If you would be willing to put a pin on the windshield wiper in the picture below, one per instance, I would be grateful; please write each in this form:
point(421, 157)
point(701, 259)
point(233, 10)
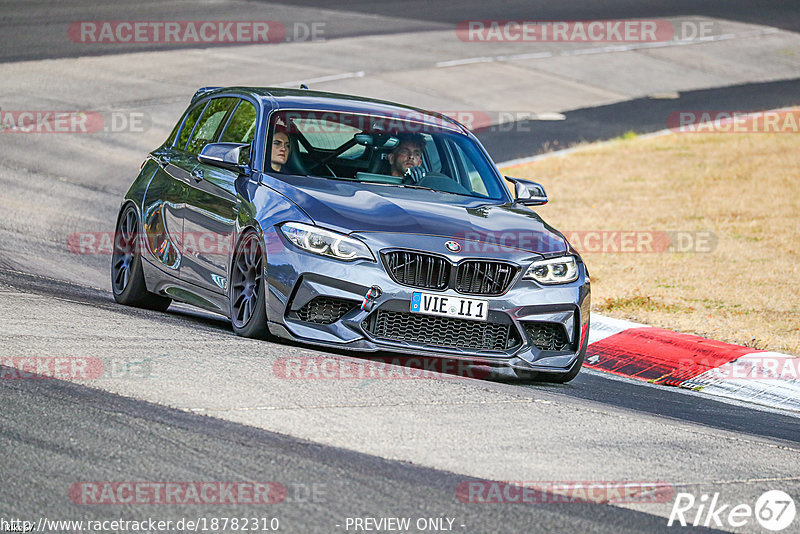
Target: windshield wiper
point(410, 186)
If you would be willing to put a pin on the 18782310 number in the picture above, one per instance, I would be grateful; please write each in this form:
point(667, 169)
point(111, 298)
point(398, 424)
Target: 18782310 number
point(238, 524)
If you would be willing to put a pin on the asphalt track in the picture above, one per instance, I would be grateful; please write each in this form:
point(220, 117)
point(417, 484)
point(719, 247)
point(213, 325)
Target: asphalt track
point(379, 450)
point(100, 436)
point(33, 30)
point(640, 115)
point(591, 386)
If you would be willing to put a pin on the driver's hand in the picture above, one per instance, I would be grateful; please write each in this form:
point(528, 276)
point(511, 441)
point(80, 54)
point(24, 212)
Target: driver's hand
point(415, 174)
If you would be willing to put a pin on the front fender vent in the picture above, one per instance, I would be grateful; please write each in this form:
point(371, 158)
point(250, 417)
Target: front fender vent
point(547, 336)
point(325, 310)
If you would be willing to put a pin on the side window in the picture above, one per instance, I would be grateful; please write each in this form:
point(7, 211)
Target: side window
point(188, 126)
point(475, 182)
point(241, 127)
point(171, 139)
point(209, 123)
point(432, 154)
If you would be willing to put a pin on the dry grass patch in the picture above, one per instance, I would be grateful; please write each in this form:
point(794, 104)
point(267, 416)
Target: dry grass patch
point(744, 188)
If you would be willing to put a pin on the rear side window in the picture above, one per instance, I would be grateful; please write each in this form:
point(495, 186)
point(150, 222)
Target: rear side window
point(323, 134)
point(241, 127)
point(171, 139)
point(188, 126)
point(207, 126)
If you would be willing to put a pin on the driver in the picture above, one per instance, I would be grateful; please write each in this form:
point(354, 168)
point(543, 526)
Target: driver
point(406, 159)
point(280, 149)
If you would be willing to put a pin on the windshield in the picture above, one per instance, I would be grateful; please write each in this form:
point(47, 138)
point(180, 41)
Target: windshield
point(392, 151)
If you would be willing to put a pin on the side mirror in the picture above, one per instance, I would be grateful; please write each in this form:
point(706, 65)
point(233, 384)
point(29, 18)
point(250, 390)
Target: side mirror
point(228, 156)
point(528, 193)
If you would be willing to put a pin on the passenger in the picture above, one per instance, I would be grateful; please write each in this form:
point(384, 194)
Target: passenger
point(280, 149)
point(406, 159)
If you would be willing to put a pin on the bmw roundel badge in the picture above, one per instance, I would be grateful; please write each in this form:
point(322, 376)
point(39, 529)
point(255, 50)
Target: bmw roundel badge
point(452, 246)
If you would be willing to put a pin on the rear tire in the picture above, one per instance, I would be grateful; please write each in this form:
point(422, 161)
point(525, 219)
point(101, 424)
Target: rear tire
point(247, 291)
point(127, 276)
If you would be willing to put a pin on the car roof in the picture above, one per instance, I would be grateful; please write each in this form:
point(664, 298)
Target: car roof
point(305, 99)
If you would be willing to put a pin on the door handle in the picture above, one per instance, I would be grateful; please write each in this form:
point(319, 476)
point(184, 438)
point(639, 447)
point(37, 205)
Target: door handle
point(197, 174)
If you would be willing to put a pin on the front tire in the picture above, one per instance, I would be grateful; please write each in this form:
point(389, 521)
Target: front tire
point(127, 276)
point(247, 293)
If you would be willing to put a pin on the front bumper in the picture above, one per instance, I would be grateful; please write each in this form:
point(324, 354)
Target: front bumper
point(296, 279)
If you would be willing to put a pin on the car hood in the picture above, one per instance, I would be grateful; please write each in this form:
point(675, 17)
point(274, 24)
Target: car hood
point(350, 207)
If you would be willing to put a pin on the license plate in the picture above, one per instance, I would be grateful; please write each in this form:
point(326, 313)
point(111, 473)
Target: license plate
point(449, 306)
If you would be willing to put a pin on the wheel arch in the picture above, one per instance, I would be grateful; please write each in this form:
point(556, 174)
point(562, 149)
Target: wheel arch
point(250, 226)
point(124, 204)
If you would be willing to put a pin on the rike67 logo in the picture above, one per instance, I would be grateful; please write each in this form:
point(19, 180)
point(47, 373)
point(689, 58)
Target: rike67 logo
point(774, 510)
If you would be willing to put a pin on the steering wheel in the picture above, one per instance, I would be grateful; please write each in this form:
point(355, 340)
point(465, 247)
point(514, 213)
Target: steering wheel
point(441, 182)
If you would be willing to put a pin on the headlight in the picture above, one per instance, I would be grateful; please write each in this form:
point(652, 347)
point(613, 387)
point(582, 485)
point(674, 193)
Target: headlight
point(553, 271)
point(325, 242)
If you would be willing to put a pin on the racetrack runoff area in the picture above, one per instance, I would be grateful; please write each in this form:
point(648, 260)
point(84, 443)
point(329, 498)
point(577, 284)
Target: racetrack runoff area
point(695, 232)
point(672, 239)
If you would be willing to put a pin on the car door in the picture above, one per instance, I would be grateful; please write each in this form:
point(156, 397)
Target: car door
point(165, 198)
point(212, 205)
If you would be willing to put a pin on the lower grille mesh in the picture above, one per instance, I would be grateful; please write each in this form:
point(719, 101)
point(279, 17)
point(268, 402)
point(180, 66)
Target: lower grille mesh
point(442, 331)
point(325, 310)
point(547, 336)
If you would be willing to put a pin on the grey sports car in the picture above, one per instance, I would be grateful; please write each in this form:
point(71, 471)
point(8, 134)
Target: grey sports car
point(351, 223)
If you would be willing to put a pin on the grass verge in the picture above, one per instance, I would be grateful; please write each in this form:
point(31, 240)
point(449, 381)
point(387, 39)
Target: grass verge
point(720, 218)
